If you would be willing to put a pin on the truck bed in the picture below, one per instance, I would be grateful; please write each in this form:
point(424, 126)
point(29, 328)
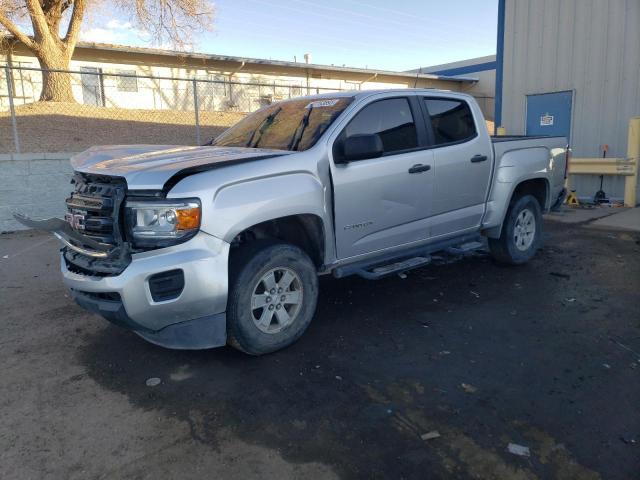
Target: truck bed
point(504, 144)
point(510, 138)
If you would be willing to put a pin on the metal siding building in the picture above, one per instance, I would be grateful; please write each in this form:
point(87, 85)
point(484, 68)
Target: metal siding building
point(590, 48)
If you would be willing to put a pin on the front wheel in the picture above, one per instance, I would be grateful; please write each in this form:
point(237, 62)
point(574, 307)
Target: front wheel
point(521, 232)
point(272, 296)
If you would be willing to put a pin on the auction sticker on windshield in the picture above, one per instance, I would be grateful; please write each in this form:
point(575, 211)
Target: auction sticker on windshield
point(322, 103)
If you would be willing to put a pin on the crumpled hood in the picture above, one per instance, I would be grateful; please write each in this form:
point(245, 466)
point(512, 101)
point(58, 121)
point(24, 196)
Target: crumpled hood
point(149, 167)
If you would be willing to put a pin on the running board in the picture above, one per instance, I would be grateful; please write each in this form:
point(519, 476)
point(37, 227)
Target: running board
point(467, 247)
point(397, 267)
point(408, 259)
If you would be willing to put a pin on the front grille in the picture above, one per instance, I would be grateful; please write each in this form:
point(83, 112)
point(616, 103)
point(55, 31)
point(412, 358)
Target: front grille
point(94, 207)
point(94, 211)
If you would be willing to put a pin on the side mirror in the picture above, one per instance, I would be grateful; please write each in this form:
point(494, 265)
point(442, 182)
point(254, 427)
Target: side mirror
point(362, 146)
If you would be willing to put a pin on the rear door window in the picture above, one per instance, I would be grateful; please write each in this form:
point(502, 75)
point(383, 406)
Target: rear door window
point(391, 119)
point(451, 120)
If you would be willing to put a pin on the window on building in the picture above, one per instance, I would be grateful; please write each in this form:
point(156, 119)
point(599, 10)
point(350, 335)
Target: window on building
point(128, 83)
point(391, 119)
point(451, 120)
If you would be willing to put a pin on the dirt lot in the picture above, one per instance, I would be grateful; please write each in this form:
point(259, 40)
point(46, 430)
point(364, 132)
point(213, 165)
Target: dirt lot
point(71, 127)
point(545, 356)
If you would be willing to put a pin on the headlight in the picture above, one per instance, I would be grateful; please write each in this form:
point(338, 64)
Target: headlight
point(162, 223)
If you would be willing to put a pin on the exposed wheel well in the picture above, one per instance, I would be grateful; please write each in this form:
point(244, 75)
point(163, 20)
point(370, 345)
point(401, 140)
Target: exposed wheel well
point(304, 231)
point(537, 187)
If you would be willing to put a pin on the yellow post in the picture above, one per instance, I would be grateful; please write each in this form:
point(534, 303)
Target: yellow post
point(502, 131)
point(633, 154)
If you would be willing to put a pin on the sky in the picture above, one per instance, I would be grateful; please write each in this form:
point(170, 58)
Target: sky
point(389, 35)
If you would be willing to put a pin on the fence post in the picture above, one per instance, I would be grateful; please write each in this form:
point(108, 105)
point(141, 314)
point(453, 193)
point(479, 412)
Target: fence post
point(197, 108)
point(9, 76)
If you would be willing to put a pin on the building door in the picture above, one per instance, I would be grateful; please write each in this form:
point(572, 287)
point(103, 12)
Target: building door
point(549, 114)
point(92, 89)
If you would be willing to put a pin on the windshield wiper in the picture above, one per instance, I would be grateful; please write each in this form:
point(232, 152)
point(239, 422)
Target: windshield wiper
point(266, 123)
point(297, 136)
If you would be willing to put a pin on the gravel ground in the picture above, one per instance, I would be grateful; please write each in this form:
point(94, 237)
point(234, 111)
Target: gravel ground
point(546, 356)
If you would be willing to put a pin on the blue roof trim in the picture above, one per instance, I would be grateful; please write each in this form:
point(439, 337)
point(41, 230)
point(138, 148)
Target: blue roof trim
point(478, 67)
point(500, 67)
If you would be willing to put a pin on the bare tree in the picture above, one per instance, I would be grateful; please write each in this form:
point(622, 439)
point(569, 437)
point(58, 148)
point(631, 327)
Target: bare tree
point(55, 28)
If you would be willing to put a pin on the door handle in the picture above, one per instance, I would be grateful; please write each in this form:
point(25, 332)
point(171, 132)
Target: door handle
point(418, 167)
point(478, 158)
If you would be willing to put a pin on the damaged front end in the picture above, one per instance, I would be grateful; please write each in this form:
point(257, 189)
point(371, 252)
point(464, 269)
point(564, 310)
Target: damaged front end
point(139, 260)
point(93, 231)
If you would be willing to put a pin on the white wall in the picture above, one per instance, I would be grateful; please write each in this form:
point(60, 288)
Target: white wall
point(178, 95)
point(35, 185)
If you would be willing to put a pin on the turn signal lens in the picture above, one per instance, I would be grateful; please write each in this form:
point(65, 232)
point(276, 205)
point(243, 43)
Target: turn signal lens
point(188, 218)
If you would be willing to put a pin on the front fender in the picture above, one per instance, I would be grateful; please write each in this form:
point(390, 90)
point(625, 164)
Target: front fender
point(235, 206)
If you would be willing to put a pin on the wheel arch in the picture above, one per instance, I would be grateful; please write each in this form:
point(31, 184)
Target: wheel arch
point(537, 186)
point(306, 231)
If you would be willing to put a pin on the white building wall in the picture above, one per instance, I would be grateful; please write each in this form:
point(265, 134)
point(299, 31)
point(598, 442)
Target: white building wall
point(591, 47)
point(235, 92)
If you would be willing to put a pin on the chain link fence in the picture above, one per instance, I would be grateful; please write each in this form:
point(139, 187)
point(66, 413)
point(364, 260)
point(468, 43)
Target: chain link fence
point(127, 107)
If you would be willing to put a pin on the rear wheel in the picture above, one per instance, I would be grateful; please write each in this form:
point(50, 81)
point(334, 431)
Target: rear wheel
point(272, 296)
point(521, 232)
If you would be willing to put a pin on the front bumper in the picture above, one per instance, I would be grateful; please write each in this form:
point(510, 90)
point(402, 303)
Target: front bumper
point(194, 319)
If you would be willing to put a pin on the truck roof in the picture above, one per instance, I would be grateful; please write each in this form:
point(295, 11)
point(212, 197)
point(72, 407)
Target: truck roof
point(366, 93)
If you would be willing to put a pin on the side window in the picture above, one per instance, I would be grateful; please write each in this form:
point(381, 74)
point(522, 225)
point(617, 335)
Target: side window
point(391, 119)
point(127, 84)
point(451, 120)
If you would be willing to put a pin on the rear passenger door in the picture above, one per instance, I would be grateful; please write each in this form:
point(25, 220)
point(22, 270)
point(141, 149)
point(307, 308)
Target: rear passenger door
point(383, 202)
point(463, 160)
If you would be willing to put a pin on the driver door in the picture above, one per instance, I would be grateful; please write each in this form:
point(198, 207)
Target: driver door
point(384, 202)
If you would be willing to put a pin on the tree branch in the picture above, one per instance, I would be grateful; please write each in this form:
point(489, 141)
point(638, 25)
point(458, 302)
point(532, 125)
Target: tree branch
point(73, 31)
point(16, 32)
point(38, 20)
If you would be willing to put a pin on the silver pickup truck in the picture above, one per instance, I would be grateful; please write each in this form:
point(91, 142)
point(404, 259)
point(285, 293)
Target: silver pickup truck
point(197, 247)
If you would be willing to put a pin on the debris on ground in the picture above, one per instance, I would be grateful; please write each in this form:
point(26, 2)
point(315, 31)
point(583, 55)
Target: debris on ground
point(153, 382)
point(430, 435)
point(606, 365)
point(519, 450)
point(468, 388)
point(628, 441)
point(560, 275)
point(570, 299)
point(475, 294)
point(338, 377)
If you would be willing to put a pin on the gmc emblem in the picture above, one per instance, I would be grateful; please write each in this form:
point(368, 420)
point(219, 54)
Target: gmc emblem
point(76, 220)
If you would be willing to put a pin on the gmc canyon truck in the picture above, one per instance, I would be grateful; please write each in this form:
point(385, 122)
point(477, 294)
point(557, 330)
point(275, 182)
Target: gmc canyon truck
point(196, 247)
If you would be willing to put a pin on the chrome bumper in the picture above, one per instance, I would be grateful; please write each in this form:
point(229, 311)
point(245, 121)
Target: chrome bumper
point(203, 260)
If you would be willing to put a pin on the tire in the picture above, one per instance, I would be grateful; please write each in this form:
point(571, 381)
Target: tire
point(267, 275)
point(521, 233)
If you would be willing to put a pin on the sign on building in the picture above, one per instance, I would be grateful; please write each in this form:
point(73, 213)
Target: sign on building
point(546, 120)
